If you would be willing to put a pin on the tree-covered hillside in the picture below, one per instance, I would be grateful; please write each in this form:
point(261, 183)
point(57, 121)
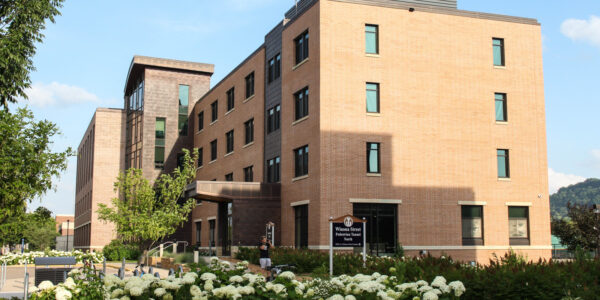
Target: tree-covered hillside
point(587, 192)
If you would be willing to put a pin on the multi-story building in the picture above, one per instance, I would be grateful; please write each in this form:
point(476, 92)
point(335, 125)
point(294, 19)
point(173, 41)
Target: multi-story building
point(64, 226)
point(426, 120)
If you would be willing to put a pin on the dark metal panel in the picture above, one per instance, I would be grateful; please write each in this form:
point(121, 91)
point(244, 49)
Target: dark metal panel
point(273, 45)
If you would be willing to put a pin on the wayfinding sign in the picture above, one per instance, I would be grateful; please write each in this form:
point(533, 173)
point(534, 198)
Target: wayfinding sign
point(347, 231)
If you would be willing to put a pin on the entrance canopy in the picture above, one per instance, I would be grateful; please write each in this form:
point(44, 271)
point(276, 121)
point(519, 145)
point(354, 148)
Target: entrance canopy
point(228, 191)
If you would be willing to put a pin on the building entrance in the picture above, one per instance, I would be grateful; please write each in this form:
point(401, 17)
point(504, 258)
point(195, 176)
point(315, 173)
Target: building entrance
point(381, 226)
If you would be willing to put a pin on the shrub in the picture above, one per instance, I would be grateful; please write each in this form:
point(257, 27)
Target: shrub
point(116, 251)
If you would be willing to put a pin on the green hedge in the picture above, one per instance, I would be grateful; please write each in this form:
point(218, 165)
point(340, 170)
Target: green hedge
point(116, 251)
point(508, 277)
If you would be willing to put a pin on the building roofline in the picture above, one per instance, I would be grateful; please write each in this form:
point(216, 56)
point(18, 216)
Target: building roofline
point(172, 64)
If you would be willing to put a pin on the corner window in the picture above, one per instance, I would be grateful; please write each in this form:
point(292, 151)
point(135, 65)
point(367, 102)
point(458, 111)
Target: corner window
point(472, 225)
point(500, 100)
point(273, 118)
point(301, 161)
point(518, 222)
point(214, 108)
point(249, 131)
point(498, 45)
point(229, 137)
point(248, 174)
point(250, 85)
point(213, 150)
point(503, 165)
point(301, 46)
point(159, 143)
point(184, 92)
point(373, 164)
point(301, 103)
point(230, 99)
point(372, 39)
point(201, 120)
point(273, 169)
point(372, 97)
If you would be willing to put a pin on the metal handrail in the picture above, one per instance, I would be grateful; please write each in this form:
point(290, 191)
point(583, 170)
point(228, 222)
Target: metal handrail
point(2, 275)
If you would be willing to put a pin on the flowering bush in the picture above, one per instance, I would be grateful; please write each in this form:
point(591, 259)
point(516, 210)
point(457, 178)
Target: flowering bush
point(220, 280)
point(28, 257)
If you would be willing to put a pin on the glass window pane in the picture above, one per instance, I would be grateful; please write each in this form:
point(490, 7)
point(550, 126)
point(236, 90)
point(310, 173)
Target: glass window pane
point(372, 101)
point(502, 166)
point(517, 212)
point(183, 95)
point(472, 228)
point(518, 228)
point(159, 154)
point(371, 39)
point(500, 110)
point(160, 128)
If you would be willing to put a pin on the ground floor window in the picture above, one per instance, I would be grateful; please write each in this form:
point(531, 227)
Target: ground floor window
point(198, 233)
point(211, 232)
point(472, 224)
point(518, 222)
point(301, 226)
point(381, 226)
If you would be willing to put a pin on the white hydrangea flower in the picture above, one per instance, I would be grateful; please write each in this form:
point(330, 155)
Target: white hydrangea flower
point(208, 276)
point(246, 290)
point(116, 293)
point(425, 288)
point(46, 284)
point(422, 283)
point(349, 297)
point(287, 275)
point(195, 291)
point(438, 281)
point(236, 279)
point(136, 291)
point(458, 288)
point(430, 296)
point(208, 286)
point(336, 297)
point(189, 278)
point(70, 283)
point(160, 292)
point(62, 293)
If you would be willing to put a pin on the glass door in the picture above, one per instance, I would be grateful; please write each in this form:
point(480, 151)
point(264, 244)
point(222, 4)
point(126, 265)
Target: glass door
point(381, 226)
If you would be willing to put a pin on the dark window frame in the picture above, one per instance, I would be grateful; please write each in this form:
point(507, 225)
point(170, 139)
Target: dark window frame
point(198, 233)
point(249, 131)
point(230, 99)
point(213, 150)
point(378, 150)
point(301, 104)
point(273, 118)
point(249, 174)
point(502, 51)
point(159, 143)
point(504, 101)
point(506, 156)
point(274, 169)
point(301, 161)
point(229, 177)
point(229, 137)
point(519, 241)
point(301, 43)
point(200, 161)
point(367, 89)
point(201, 121)
point(376, 37)
point(250, 85)
point(214, 111)
point(183, 118)
point(301, 220)
point(472, 241)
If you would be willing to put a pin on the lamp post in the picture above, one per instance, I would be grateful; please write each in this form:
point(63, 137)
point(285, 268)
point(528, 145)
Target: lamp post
point(68, 221)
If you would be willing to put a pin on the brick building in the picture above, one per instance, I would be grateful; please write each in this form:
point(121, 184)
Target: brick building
point(426, 120)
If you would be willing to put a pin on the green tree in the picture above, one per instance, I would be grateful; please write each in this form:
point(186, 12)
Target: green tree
point(144, 214)
point(583, 193)
point(27, 164)
point(21, 23)
point(580, 229)
point(40, 229)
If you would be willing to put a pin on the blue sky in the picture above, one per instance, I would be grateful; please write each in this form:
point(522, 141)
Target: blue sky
point(84, 58)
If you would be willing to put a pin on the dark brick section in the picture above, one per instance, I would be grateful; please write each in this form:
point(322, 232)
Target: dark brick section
point(272, 96)
point(298, 9)
point(250, 216)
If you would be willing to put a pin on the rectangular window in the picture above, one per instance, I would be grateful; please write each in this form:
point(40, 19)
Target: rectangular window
point(213, 150)
point(273, 118)
point(248, 174)
point(472, 225)
point(250, 85)
point(277, 66)
point(184, 92)
point(371, 39)
point(214, 107)
point(201, 120)
point(273, 169)
point(229, 137)
point(503, 165)
point(372, 97)
point(498, 45)
point(229, 177)
point(301, 103)
point(200, 156)
point(159, 143)
point(274, 68)
point(230, 99)
point(249, 130)
point(198, 234)
point(301, 43)
point(518, 222)
point(301, 226)
point(301, 161)
point(500, 100)
point(373, 158)
point(211, 232)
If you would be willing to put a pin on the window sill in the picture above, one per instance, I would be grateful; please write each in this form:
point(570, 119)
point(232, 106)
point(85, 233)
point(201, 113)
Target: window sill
point(248, 145)
point(500, 67)
point(369, 114)
point(212, 161)
point(213, 122)
point(299, 64)
point(230, 111)
point(504, 179)
point(299, 120)
point(248, 99)
point(472, 203)
point(518, 204)
point(299, 178)
point(228, 154)
point(199, 131)
point(200, 167)
point(373, 174)
point(372, 54)
point(501, 122)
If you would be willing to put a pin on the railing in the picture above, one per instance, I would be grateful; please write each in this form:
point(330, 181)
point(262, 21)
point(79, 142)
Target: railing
point(2, 275)
point(164, 246)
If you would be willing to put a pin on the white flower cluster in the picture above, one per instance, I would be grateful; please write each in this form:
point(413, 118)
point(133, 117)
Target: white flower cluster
point(28, 257)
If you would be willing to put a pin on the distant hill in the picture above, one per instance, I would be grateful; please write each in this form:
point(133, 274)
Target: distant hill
point(587, 192)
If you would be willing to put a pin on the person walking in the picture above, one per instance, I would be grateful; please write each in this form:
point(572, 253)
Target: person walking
point(263, 247)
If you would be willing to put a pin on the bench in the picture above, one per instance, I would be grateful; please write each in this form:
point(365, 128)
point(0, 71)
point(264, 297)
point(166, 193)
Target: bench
point(55, 274)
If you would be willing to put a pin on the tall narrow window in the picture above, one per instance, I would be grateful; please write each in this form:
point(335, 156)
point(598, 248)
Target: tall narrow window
point(198, 234)
point(159, 143)
point(248, 174)
point(273, 118)
point(184, 92)
point(472, 225)
point(200, 120)
point(277, 66)
point(301, 103)
point(213, 150)
point(249, 131)
point(214, 108)
point(500, 100)
point(230, 99)
point(250, 85)
point(301, 43)
point(503, 165)
point(271, 70)
point(229, 137)
point(211, 231)
point(373, 164)
point(301, 226)
point(518, 222)
point(273, 169)
point(301, 161)
point(200, 156)
point(371, 39)
point(229, 177)
point(498, 45)
point(372, 97)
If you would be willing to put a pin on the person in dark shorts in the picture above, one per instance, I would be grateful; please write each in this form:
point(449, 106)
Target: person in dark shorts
point(263, 248)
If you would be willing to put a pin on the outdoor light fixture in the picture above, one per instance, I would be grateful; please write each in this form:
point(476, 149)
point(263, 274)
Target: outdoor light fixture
point(411, 9)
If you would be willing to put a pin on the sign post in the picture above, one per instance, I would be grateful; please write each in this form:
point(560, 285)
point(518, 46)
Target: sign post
point(270, 232)
point(346, 231)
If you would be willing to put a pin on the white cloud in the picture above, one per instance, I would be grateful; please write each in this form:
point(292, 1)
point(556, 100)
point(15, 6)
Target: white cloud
point(582, 30)
point(557, 180)
point(58, 94)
